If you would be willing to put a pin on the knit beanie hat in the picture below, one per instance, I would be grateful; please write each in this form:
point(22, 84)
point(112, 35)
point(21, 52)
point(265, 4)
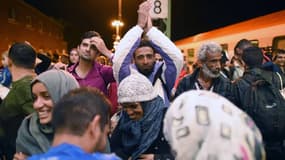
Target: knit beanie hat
point(204, 125)
point(135, 88)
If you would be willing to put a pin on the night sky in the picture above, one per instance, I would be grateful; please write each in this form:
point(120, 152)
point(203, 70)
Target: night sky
point(189, 17)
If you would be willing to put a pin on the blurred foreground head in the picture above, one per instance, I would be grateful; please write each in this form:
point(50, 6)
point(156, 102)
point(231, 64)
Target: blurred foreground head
point(203, 125)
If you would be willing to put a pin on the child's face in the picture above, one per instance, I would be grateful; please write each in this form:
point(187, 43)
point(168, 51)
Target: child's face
point(280, 59)
point(4, 60)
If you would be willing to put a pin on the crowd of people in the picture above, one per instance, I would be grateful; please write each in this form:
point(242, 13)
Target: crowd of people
point(141, 102)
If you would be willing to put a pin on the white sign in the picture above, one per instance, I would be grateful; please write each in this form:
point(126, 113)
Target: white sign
point(159, 9)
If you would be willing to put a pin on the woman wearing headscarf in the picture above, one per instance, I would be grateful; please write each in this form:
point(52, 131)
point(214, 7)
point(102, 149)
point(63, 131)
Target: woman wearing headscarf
point(36, 133)
point(138, 134)
point(203, 125)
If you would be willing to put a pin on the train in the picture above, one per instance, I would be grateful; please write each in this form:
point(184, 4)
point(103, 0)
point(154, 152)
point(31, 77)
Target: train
point(267, 32)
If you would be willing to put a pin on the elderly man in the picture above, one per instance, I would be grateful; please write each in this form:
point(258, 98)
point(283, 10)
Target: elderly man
point(207, 76)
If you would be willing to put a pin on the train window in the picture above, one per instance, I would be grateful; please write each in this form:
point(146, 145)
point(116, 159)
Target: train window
point(29, 21)
point(12, 17)
point(41, 27)
point(278, 42)
point(254, 42)
point(190, 54)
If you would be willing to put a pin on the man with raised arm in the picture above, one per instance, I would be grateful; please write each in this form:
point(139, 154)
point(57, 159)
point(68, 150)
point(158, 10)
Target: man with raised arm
point(137, 50)
point(87, 71)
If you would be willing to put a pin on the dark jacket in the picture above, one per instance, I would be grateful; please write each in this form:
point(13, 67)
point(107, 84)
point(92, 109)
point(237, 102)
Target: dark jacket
point(273, 145)
point(43, 65)
point(221, 85)
point(252, 75)
point(14, 108)
point(160, 147)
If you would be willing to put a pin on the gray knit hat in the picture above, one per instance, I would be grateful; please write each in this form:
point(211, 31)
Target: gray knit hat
point(135, 88)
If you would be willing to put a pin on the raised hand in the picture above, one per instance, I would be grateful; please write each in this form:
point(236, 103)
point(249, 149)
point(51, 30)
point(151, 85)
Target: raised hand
point(143, 13)
point(148, 25)
point(100, 45)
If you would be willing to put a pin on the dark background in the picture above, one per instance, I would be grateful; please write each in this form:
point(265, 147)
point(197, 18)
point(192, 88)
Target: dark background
point(189, 17)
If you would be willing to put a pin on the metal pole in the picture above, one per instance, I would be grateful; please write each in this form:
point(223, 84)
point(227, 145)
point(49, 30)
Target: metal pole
point(119, 13)
point(168, 20)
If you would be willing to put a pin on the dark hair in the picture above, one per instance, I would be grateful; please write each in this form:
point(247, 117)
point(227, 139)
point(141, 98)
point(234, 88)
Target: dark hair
point(276, 52)
point(243, 44)
point(145, 43)
point(224, 57)
point(89, 34)
point(252, 57)
point(55, 57)
point(22, 55)
point(73, 49)
point(279, 51)
point(74, 111)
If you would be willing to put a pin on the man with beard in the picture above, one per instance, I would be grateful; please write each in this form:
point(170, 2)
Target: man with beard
point(207, 76)
point(87, 71)
point(139, 53)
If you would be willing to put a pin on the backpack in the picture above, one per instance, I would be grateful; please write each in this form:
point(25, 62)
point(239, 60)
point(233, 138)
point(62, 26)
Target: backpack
point(264, 103)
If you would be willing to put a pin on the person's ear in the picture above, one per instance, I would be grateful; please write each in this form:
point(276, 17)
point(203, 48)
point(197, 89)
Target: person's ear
point(92, 133)
point(95, 126)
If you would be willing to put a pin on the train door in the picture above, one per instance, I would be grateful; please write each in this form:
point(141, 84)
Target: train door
point(278, 42)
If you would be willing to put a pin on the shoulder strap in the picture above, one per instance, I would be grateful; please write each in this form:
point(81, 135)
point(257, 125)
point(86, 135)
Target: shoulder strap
point(281, 82)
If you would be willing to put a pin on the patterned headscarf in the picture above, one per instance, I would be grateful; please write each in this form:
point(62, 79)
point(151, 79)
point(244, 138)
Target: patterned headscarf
point(203, 125)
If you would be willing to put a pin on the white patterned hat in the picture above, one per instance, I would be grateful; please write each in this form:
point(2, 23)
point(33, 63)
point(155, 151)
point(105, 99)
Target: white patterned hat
point(135, 88)
point(204, 125)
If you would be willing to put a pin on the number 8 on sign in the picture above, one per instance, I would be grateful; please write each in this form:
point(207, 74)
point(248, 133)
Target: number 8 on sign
point(159, 9)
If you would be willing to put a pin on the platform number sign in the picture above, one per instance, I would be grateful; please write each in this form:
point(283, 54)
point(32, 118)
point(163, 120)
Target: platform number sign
point(159, 9)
